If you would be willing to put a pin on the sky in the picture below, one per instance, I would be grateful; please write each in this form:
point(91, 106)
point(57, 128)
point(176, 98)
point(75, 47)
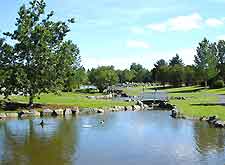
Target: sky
point(119, 32)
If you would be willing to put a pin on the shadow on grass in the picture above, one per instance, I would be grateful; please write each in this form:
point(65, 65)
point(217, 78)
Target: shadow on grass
point(87, 91)
point(163, 88)
point(13, 106)
point(208, 104)
point(189, 91)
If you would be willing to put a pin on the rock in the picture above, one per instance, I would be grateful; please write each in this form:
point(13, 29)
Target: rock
point(203, 118)
point(75, 110)
point(136, 108)
point(212, 119)
point(128, 108)
point(59, 112)
point(2, 115)
point(100, 111)
point(46, 112)
point(11, 114)
point(174, 113)
point(145, 106)
point(27, 113)
point(67, 111)
point(219, 124)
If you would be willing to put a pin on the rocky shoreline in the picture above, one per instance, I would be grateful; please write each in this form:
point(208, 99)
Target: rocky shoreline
point(139, 106)
point(212, 120)
point(70, 111)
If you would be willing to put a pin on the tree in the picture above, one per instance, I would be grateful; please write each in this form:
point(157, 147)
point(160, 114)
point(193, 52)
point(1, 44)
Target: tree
point(176, 75)
point(190, 75)
point(125, 75)
point(160, 63)
point(140, 73)
point(41, 58)
point(159, 71)
point(162, 74)
point(221, 58)
point(75, 78)
point(176, 60)
point(206, 60)
point(103, 77)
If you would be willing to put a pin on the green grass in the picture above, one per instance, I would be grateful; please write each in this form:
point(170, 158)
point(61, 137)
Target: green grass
point(136, 91)
point(198, 101)
point(71, 99)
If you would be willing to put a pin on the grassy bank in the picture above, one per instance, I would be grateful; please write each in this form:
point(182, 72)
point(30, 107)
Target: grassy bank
point(70, 99)
point(198, 101)
point(135, 91)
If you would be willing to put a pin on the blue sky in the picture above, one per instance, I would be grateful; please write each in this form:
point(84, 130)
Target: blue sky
point(119, 32)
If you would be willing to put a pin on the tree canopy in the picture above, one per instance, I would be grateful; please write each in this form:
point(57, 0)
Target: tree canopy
point(40, 58)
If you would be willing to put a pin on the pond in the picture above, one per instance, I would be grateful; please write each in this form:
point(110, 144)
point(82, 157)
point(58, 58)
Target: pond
point(125, 138)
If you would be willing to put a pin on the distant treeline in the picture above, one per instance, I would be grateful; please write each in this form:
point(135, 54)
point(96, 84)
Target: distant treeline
point(208, 70)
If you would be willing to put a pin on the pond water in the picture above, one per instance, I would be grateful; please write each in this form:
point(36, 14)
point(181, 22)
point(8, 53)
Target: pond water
point(126, 138)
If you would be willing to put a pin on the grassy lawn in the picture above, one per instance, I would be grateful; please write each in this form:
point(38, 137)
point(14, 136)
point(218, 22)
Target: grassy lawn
point(71, 99)
point(199, 102)
point(135, 91)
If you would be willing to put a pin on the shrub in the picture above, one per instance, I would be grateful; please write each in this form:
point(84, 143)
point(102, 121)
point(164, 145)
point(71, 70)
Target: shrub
point(217, 84)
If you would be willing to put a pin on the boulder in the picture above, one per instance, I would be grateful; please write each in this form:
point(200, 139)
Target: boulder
point(27, 113)
point(11, 114)
point(219, 124)
point(75, 110)
point(212, 119)
point(136, 108)
point(203, 118)
point(2, 115)
point(128, 108)
point(100, 111)
point(58, 112)
point(174, 113)
point(67, 111)
point(46, 112)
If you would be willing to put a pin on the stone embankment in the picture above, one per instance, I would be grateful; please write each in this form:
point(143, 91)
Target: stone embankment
point(212, 120)
point(70, 111)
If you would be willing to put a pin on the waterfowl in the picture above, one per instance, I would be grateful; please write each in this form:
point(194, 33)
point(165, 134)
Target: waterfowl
point(42, 123)
point(102, 122)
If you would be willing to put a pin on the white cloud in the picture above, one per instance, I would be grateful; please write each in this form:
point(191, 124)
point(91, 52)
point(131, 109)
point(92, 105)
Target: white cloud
point(185, 23)
point(213, 22)
point(137, 30)
point(179, 23)
point(137, 44)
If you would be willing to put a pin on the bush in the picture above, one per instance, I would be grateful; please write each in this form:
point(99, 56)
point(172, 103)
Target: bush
point(217, 84)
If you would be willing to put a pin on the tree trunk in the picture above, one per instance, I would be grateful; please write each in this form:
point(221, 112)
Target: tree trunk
point(206, 84)
point(31, 100)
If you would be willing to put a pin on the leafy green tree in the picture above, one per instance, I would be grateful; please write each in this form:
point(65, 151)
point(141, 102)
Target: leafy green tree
point(140, 73)
point(190, 75)
point(206, 60)
point(176, 75)
point(160, 63)
point(221, 58)
point(125, 75)
point(176, 60)
point(162, 74)
point(40, 58)
point(159, 71)
point(75, 79)
point(103, 77)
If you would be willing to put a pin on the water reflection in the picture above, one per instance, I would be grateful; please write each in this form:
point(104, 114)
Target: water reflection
point(125, 138)
point(25, 142)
